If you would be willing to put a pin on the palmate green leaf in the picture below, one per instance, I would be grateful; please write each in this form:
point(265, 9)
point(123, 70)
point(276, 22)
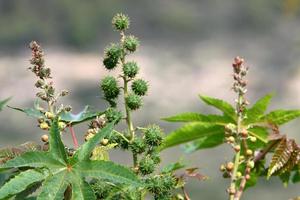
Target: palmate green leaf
point(54, 187)
point(85, 115)
point(21, 182)
point(197, 117)
point(56, 146)
point(224, 106)
point(107, 170)
point(258, 109)
point(205, 142)
point(33, 159)
point(31, 112)
point(279, 117)
point(84, 152)
point(81, 190)
point(190, 132)
point(3, 103)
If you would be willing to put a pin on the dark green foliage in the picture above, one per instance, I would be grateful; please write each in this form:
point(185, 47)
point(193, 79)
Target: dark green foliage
point(130, 69)
point(131, 43)
point(153, 135)
point(110, 88)
point(139, 87)
point(133, 101)
point(120, 22)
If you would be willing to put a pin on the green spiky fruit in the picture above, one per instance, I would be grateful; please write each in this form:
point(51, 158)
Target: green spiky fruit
point(121, 22)
point(146, 165)
point(110, 88)
point(138, 146)
point(139, 87)
point(131, 43)
point(130, 69)
point(153, 135)
point(113, 114)
point(133, 101)
point(112, 56)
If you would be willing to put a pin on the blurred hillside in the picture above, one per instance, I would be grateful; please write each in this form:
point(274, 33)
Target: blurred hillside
point(186, 49)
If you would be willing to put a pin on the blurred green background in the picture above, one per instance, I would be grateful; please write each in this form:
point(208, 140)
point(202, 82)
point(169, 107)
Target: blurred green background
point(186, 48)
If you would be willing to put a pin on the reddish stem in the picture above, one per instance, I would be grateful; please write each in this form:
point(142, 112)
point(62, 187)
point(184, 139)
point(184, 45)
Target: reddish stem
point(75, 141)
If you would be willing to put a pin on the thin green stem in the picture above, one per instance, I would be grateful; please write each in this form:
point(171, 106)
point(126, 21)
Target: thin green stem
point(127, 110)
point(237, 155)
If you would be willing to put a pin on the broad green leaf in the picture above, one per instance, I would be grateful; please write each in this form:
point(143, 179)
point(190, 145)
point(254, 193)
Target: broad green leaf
point(197, 117)
point(32, 159)
point(28, 191)
point(260, 133)
point(20, 182)
point(224, 106)
point(173, 167)
point(190, 132)
point(3, 103)
point(57, 148)
point(84, 115)
point(280, 117)
point(84, 152)
point(285, 178)
point(258, 109)
point(205, 142)
point(31, 112)
point(81, 190)
point(107, 170)
point(54, 186)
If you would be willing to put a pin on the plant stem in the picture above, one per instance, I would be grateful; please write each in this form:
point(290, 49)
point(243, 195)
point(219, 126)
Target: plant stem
point(75, 141)
point(127, 110)
point(237, 155)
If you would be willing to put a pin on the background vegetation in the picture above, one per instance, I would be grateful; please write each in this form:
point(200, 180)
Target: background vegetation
point(187, 50)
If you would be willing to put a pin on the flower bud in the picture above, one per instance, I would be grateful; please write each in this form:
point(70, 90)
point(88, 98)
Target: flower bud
point(64, 93)
point(222, 168)
point(62, 125)
point(49, 115)
point(253, 139)
point(247, 177)
point(229, 166)
point(249, 152)
point(113, 114)
point(250, 164)
point(244, 133)
point(146, 165)
point(230, 139)
point(238, 174)
point(68, 109)
point(139, 87)
point(104, 142)
point(237, 148)
point(44, 126)
point(45, 138)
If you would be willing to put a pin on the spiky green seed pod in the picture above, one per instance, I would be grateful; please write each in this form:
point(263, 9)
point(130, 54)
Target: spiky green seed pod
point(161, 185)
point(138, 146)
point(146, 165)
point(133, 101)
point(130, 69)
point(131, 43)
point(112, 56)
point(139, 87)
point(121, 22)
point(113, 114)
point(155, 157)
point(110, 88)
point(153, 135)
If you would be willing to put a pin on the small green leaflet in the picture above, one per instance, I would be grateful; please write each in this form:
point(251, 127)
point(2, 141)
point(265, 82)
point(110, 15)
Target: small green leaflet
point(3, 103)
